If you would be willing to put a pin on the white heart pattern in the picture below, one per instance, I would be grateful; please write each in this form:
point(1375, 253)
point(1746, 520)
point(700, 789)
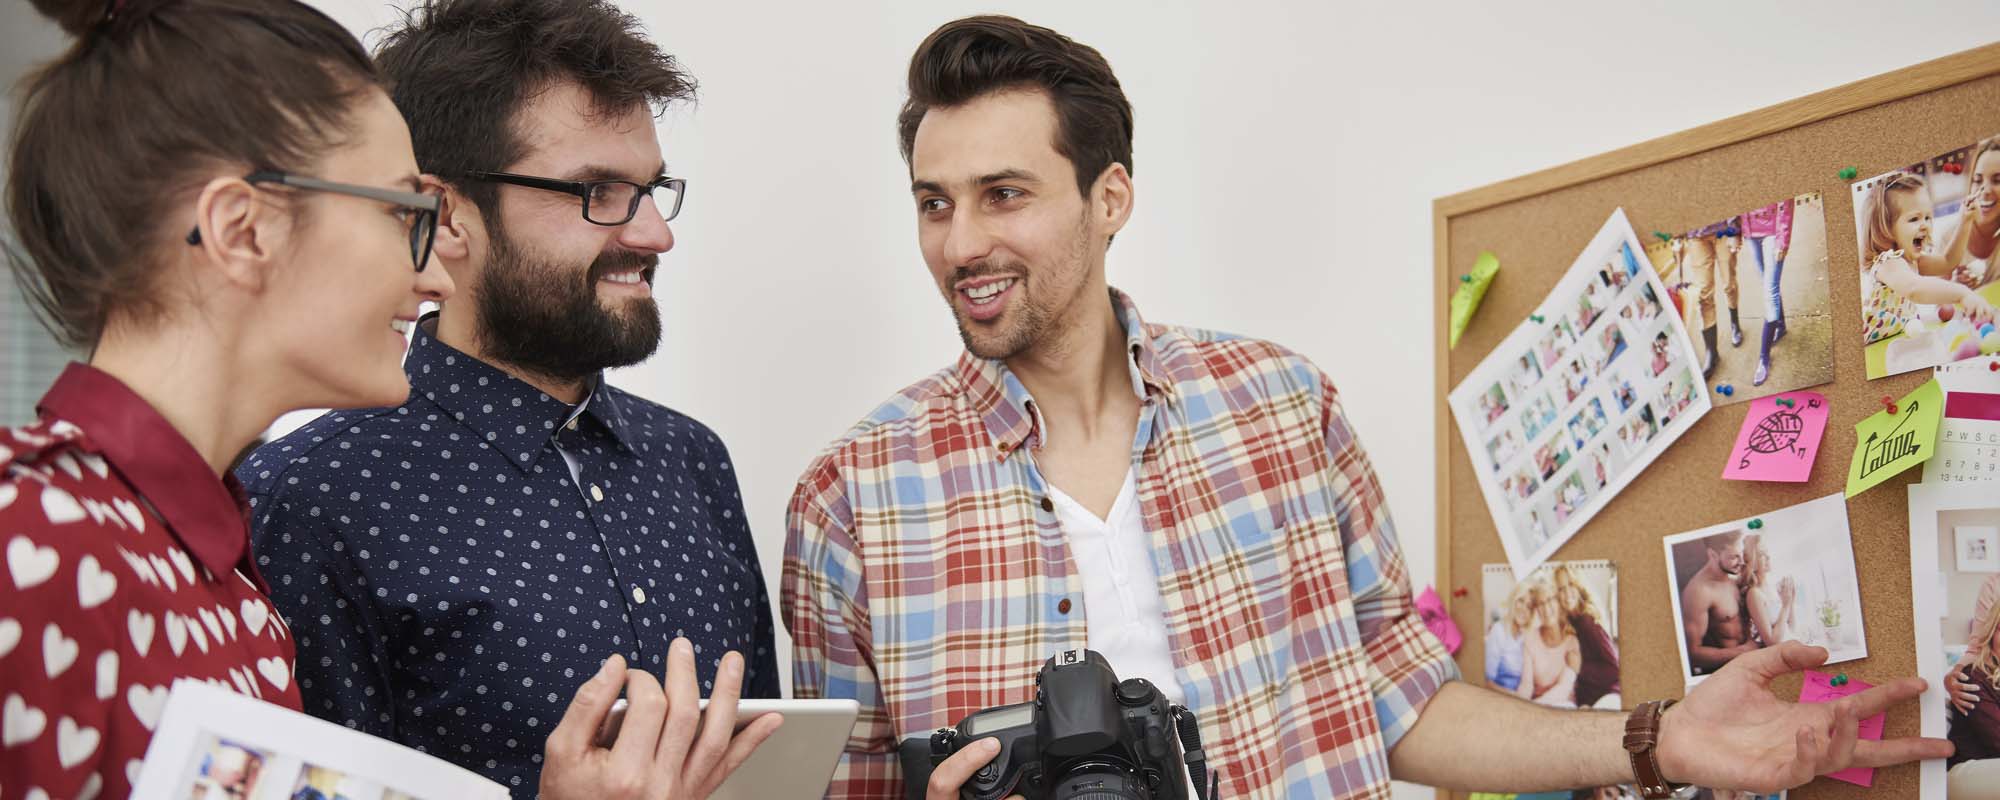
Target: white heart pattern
point(177, 634)
point(58, 651)
point(164, 570)
point(10, 635)
point(139, 567)
point(94, 584)
point(147, 702)
point(255, 613)
point(91, 787)
point(67, 462)
point(74, 742)
point(182, 563)
point(30, 565)
point(130, 511)
point(228, 621)
point(96, 464)
point(99, 512)
point(132, 770)
point(194, 632)
point(107, 675)
point(37, 793)
point(7, 490)
point(237, 677)
point(20, 722)
point(214, 625)
point(274, 670)
point(60, 506)
point(140, 625)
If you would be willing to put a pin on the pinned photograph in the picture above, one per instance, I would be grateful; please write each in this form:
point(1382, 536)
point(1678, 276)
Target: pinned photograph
point(1753, 286)
point(1784, 575)
point(1553, 638)
point(1925, 235)
point(1978, 548)
point(1585, 381)
point(1957, 614)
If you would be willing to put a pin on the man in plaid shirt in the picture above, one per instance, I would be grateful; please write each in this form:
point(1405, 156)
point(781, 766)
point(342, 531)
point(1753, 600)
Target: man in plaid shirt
point(1029, 498)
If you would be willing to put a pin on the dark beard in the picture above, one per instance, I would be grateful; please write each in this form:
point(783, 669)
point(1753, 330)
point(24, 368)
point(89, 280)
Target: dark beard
point(544, 319)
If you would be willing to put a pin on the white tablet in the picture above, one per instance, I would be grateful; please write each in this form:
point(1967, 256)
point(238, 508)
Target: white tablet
point(797, 761)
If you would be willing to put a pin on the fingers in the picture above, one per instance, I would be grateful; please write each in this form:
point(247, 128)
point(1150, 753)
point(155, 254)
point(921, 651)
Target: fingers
point(718, 722)
point(683, 707)
point(740, 748)
point(959, 768)
point(1840, 748)
point(1770, 662)
point(1890, 752)
point(1878, 699)
point(578, 729)
point(645, 706)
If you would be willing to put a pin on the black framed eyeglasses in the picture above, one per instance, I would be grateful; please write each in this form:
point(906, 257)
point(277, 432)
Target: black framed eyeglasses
point(424, 207)
point(606, 202)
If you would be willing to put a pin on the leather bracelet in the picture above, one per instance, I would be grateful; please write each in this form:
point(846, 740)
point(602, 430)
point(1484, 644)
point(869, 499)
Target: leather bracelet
point(1642, 738)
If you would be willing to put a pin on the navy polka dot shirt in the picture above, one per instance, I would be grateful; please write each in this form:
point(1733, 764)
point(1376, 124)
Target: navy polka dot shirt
point(450, 584)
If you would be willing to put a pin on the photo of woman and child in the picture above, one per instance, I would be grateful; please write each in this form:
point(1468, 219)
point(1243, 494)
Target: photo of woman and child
point(1926, 236)
point(1787, 575)
point(1553, 638)
point(1958, 644)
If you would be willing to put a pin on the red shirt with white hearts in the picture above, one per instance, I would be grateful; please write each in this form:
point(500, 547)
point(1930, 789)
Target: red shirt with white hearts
point(127, 567)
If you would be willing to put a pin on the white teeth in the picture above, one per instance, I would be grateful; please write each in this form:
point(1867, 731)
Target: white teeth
point(624, 277)
point(401, 326)
point(988, 290)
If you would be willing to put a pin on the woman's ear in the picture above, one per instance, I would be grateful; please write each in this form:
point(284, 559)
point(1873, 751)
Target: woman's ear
point(238, 233)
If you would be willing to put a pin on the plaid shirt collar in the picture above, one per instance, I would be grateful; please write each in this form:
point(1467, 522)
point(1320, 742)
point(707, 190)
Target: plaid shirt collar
point(1009, 411)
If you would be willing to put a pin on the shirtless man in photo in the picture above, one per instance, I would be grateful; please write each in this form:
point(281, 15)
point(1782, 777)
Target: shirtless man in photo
point(1712, 607)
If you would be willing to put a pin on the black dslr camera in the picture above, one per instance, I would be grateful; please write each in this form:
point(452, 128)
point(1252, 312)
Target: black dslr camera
point(1085, 735)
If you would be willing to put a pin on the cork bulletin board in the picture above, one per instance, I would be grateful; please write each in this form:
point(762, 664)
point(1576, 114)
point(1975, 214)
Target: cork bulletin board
point(1537, 224)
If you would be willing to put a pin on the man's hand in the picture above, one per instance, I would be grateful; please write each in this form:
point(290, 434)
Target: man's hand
point(953, 772)
point(1958, 689)
point(1731, 731)
point(657, 755)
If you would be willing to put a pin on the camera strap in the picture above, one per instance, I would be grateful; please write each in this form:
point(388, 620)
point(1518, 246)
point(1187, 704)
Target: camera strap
point(1206, 784)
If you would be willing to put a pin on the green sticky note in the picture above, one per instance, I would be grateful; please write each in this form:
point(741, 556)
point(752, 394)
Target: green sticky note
point(1470, 292)
point(1886, 444)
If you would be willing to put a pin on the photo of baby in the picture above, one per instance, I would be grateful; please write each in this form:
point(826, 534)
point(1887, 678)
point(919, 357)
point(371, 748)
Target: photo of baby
point(1503, 447)
point(1575, 379)
point(1553, 638)
point(1678, 395)
point(1780, 337)
point(1926, 235)
point(1958, 639)
point(1549, 458)
point(1554, 342)
point(1539, 414)
point(1604, 348)
point(1526, 374)
point(1637, 431)
point(1520, 485)
point(1493, 403)
point(1570, 495)
point(1784, 575)
point(1586, 423)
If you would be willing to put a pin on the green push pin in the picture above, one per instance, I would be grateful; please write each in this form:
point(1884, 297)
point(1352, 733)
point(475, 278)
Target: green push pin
point(1840, 680)
point(1465, 279)
point(1848, 173)
point(1537, 318)
point(1664, 237)
point(1756, 524)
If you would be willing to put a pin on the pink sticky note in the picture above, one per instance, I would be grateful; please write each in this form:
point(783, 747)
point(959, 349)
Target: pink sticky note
point(1439, 620)
point(1819, 688)
point(1779, 442)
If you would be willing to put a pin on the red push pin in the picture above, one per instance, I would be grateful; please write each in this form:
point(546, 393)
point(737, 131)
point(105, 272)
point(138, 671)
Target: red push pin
point(1460, 592)
point(1889, 403)
point(1993, 366)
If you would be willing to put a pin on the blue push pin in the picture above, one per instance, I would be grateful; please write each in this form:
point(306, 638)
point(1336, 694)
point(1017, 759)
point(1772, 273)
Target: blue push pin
point(1725, 390)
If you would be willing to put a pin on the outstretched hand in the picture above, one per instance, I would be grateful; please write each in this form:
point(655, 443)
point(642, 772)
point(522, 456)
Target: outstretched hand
point(1732, 732)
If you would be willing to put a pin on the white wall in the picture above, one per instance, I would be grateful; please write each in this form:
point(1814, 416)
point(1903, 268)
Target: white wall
point(1286, 158)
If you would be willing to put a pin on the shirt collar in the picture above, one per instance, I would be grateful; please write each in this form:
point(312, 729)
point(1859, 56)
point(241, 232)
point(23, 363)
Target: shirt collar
point(467, 387)
point(1009, 412)
point(205, 513)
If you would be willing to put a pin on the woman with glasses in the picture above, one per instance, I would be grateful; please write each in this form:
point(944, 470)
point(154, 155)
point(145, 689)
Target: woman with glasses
point(225, 250)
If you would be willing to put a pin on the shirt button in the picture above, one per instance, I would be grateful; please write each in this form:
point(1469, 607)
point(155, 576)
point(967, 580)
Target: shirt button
point(1048, 505)
point(596, 494)
point(638, 596)
point(571, 425)
point(1063, 606)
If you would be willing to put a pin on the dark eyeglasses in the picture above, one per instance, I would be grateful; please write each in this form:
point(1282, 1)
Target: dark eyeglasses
point(609, 202)
point(424, 207)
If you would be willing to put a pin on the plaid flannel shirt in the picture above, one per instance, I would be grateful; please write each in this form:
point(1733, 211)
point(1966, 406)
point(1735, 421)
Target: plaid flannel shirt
point(927, 576)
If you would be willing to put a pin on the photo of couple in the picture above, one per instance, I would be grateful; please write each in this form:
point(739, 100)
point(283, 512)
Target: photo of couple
point(1926, 235)
point(1553, 638)
point(1787, 575)
point(1958, 638)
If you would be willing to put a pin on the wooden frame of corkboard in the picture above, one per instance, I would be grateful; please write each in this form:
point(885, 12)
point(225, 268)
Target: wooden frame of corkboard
point(1536, 225)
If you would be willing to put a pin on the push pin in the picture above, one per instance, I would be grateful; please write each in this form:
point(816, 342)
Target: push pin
point(1756, 524)
point(1664, 237)
point(1725, 390)
point(1460, 592)
point(1889, 403)
point(1465, 278)
point(1537, 318)
point(1839, 680)
point(1786, 402)
point(1993, 366)
point(1848, 173)
point(1953, 168)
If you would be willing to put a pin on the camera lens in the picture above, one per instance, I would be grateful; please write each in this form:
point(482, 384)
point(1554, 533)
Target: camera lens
point(1099, 781)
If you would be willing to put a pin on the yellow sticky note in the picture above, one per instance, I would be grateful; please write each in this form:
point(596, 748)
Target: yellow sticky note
point(1886, 444)
point(1471, 290)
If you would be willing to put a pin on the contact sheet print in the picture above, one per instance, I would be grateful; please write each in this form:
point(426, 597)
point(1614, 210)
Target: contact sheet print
point(1579, 398)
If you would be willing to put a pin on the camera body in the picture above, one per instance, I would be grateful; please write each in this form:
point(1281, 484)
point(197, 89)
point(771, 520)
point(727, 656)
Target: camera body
point(1085, 733)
